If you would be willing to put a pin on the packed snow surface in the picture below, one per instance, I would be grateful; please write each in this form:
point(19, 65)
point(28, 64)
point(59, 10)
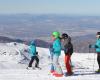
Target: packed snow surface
point(14, 59)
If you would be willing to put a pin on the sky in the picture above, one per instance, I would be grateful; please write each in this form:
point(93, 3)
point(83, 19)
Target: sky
point(78, 7)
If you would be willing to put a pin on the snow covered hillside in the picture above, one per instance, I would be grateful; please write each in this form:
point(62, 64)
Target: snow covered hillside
point(14, 59)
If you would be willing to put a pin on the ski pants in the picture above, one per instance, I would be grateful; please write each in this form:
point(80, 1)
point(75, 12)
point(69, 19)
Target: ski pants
point(68, 63)
point(98, 59)
point(52, 66)
point(56, 64)
point(31, 61)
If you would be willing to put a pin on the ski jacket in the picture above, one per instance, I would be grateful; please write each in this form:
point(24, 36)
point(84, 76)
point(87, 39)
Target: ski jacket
point(67, 43)
point(32, 50)
point(67, 46)
point(97, 46)
point(57, 47)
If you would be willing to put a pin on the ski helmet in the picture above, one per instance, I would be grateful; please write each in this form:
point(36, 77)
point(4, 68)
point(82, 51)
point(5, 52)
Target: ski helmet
point(32, 42)
point(64, 35)
point(56, 34)
point(98, 33)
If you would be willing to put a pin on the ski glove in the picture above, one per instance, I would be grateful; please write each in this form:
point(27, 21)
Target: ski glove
point(51, 49)
point(90, 46)
point(96, 46)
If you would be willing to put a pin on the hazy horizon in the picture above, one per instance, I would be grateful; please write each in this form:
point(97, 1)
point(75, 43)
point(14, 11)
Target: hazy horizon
point(71, 7)
point(41, 26)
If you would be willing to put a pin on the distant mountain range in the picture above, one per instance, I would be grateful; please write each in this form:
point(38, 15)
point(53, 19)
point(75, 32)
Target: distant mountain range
point(81, 44)
point(8, 40)
point(27, 27)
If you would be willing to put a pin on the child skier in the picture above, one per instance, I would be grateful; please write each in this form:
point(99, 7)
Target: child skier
point(97, 47)
point(56, 53)
point(34, 56)
point(68, 50)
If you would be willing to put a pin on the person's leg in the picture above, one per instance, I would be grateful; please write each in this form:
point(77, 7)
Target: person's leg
point(31, 61)
point(52, 66)
point(98, 59)
point(57, 67)
point(67, 64)
point(37, 61)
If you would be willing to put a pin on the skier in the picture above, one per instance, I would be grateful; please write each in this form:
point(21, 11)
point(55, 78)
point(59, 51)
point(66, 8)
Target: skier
point(56, 53)
point(34, 56)
point(51, 57)
point(68, 50)
point(97, 47)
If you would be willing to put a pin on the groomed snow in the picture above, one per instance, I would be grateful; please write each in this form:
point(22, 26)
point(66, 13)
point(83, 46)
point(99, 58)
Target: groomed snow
point(14, 60)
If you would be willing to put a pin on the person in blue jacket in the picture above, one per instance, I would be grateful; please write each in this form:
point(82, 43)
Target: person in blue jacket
point(97, 47)
point(56, 49)
point(34, 55)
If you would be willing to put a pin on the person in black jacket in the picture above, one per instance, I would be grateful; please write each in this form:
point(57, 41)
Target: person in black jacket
point(68, 50)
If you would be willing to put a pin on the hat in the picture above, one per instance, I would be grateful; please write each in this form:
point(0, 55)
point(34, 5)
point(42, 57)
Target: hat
point(56, 34)
point(64, 35)
point(98, 33)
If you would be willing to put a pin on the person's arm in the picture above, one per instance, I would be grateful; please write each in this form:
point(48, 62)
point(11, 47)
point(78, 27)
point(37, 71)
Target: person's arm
point(51, 48)
point(94, 46)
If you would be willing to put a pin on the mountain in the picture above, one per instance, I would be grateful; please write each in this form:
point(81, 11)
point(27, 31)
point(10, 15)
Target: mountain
point(4, 39)
point(81, 43)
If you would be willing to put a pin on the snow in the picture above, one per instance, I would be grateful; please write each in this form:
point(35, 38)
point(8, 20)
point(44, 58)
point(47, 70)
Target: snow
point(14, 60)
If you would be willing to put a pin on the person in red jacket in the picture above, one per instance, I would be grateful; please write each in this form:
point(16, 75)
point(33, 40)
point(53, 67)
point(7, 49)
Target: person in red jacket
point(68, 50)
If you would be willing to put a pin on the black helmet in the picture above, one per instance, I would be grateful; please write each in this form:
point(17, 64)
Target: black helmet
point(98, 33)
point(64, 35)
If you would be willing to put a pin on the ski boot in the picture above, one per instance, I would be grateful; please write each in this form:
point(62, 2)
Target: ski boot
point(68, 74)
point(98, 71)
point(30, 68)
point(38, 68)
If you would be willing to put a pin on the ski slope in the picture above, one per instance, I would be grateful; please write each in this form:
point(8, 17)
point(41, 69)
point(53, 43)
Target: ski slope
point(14, 60)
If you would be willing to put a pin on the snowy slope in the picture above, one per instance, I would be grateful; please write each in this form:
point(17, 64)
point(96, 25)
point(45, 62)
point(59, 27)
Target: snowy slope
point(14, 60)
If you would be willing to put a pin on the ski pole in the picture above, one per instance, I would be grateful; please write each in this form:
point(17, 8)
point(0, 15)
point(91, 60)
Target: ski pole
point(94, 62)
point(89, 51)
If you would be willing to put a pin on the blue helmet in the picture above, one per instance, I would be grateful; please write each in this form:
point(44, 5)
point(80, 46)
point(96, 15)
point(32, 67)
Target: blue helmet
point(32, 42)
